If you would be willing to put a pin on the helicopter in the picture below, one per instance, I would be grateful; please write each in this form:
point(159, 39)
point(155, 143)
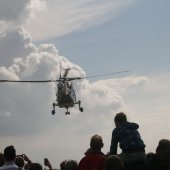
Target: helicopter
point(65, 95)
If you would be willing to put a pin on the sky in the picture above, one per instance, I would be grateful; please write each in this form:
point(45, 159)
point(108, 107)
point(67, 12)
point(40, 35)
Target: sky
point(92, 37)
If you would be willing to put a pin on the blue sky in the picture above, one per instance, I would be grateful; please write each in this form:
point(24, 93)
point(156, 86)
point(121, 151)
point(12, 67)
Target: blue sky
point(137, 39)
point(92, 37)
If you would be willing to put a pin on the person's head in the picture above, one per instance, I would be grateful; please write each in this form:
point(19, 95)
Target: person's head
point(71, 165)
point(96, 142)
point(62, 165)
point(19, 161)
point(163, 149)
point(9, 153)
point(35, 166)
point(120, 118)
point(2, 160)
point(113, 162)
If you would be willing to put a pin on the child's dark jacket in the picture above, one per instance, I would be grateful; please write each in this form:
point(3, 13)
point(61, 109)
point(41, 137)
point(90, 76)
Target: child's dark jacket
point(128, 138)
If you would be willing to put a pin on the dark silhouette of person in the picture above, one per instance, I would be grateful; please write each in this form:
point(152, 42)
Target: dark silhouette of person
point(126, 134)
point(19, 161)
point(71, 165)
point(161, 159)
point(35, 166)
point(94, 158)
point(9, 155)
point(113, 162)
point(2, 160)
point(62, 165)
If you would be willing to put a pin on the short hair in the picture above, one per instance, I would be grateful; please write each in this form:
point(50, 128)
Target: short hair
point(163, 146)
point(96, 142)
point(9, 153)
point(19, 161)
point(62, 165)
point(113, 162)
point(120, 117)
point(36, 166)
point(71, 165)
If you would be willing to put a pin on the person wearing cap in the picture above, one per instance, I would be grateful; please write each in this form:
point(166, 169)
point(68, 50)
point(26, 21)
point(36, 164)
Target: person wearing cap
point(9, 155)
point(94, 158)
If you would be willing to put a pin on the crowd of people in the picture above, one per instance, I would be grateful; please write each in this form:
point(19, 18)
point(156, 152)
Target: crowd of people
point(132, 157)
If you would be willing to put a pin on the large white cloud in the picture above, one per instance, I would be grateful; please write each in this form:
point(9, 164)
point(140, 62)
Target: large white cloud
point(18, 11)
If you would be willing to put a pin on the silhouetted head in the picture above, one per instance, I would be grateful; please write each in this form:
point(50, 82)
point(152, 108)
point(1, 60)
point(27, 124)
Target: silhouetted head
point(163, 149)
point(35, 166)
point(19, 161)
point(71, 165)
point(113, 162)
point(96, 142)
point(9, 153)
point(2, 160)
point(62, 165)
point(120, 118)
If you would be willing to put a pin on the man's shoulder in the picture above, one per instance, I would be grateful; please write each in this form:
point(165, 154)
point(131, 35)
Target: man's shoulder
point(9, 167)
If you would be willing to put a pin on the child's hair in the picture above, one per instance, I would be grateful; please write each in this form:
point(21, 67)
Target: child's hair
point(113, 162)
point(120, 117)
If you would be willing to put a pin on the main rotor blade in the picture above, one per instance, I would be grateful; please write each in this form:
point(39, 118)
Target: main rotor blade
point(66, 72)
point(107, 74)
point(29, 81)
point(62, 78)
point(99, 75)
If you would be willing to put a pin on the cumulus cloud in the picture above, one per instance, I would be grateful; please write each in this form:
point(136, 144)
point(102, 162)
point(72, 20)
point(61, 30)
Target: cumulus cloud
point(18, 11)
point(62, 17)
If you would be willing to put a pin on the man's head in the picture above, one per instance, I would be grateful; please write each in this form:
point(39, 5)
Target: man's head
point(113, 162)
point(163, 149)
point(71, 165)
point(120, 118)
point(9, 153)
point(96, 142)
point(36, 166)
point(19, 161)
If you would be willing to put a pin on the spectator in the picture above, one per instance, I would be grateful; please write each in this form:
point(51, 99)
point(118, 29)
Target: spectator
point(47, 163)
point(71, 165)
point(126, 134)
point(19, 161)
point(9, 155)
point(27, 161)
point(160, 160)
point(94, 158)
point(35, 166)
point(113, 162)
point(2, 160)
point(62, 165)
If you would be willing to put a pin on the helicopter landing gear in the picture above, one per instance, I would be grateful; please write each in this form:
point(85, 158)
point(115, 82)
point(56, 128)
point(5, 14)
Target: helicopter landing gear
point(53, 111)
point(67, 112)
point(80, 108)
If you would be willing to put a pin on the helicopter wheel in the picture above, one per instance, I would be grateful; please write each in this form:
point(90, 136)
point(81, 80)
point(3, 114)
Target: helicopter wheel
point(67, 113)
point(81, 109)
point(53, 112)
